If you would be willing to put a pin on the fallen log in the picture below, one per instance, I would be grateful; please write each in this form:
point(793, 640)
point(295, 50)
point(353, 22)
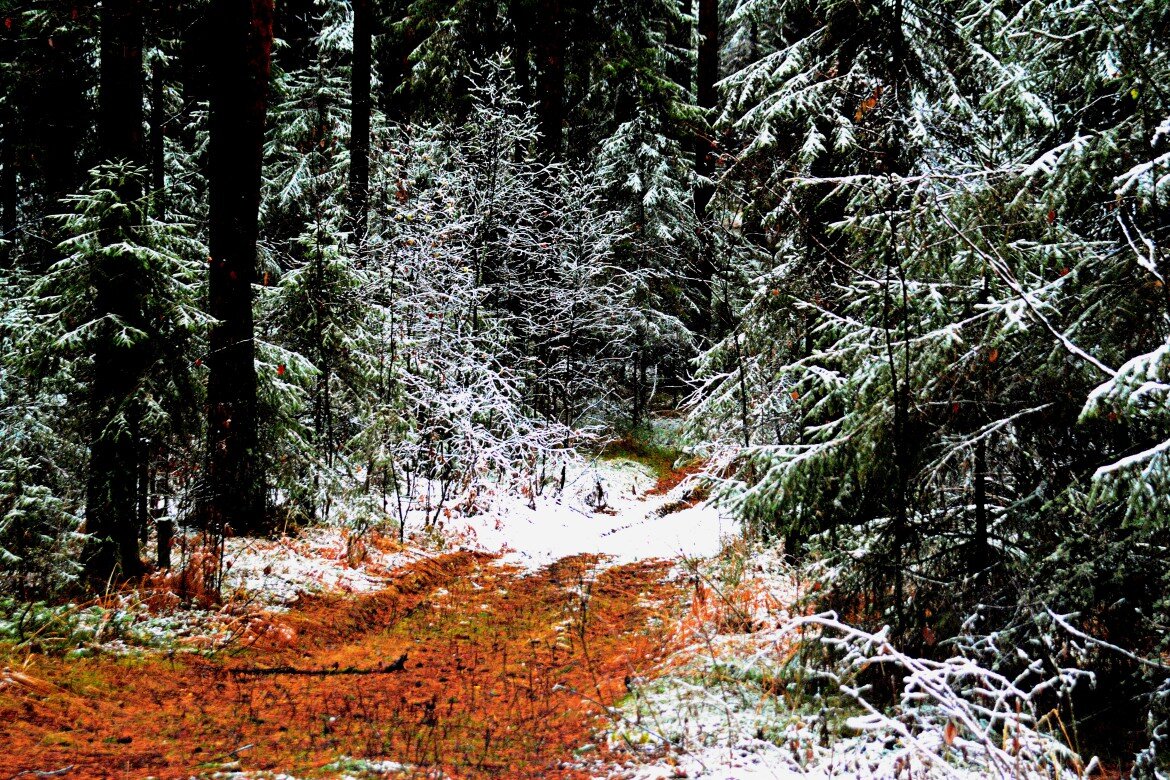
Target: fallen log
point(398, 665)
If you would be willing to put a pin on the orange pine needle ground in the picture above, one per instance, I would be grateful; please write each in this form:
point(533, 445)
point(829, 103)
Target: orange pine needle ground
point(506, 675)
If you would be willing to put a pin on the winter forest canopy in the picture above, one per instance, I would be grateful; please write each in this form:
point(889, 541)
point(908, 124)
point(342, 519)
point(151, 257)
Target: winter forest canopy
point(886, 280)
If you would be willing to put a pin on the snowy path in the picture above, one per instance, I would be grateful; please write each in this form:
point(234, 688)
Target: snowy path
point(632, 526)
point(505, 660)
point(458, 668)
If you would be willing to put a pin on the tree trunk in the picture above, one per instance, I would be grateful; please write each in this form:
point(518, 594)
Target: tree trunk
point(158, 130)
point(112, 483)
point(359, 134)
point(61, 113)
point(706, 76)
point(550, 61)
point(398, 42)
point(234, 491)
point(8, 136)
point(8, 191)
point(166, 533)
point(980, 556)
point(296, 22)
point(520, 12)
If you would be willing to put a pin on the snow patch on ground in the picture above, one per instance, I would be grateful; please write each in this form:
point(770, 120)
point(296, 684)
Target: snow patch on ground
point(735, 700)
point(273, 573)
point(751, 761)
point(711, 711)
point(629, 524)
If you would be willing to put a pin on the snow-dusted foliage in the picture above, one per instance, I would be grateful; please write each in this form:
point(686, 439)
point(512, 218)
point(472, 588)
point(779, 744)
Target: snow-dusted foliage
point(947, 374)
point(52, 327)
point(478, 329)
point(954, 717)
point(760, 688)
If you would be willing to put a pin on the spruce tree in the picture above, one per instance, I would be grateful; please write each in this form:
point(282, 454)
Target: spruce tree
point(235, 488)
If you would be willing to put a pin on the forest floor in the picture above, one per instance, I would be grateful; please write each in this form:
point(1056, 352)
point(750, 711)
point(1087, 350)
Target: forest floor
point(505, 657)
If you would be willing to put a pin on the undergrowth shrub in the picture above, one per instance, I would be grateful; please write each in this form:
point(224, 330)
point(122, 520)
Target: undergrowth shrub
point(756, 677)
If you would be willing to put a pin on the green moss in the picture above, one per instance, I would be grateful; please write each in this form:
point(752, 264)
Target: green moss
point(658, 457)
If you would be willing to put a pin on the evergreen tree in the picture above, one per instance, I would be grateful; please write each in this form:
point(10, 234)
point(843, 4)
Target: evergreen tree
point(152, 395)
point(235, 496)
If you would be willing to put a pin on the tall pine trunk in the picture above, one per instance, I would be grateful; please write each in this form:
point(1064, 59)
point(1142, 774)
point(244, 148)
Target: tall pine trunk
point(8, 136)
point(550, 62)
point(112, 483)
point(707, 74)
point(158, 129)
point(398, 42)
point(359, 128)
point(234, 490)
point(8, 191)
point(705, 93)
point(980, 557)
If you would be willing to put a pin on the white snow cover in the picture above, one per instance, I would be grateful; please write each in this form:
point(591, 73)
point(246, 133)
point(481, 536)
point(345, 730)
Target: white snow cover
point(627, 528)
point(730, 707)
point(273, 572)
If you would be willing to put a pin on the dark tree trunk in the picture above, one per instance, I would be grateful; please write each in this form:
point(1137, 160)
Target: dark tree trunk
point(8, 136)
point(520, 12)
point(980, 556)
point(359, 127)
point(550, 63)
point(8, 191)
point(158, 134)
point(234, 490)
point(396, 43)
point(114, 452)
point(296, 23)
point(706, 76)
point(120, 111)
point(50, 94)
point(705, 93)
point(143, 518)
point(166, 533)
point(981, 552)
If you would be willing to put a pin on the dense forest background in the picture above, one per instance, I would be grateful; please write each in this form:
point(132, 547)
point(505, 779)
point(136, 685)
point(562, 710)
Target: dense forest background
point(901, 262)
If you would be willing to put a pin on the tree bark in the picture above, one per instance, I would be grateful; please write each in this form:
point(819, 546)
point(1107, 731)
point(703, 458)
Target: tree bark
point(707, 74)
point(521, 14)
point(8, 136)
point(234, 489)
point(112, 484)
point(8, 190)
point(158, 131)
point(359, 128)
point(706, 95)
point(980, 556)
point(550, 61)
point(61, 118)
point(397, 43)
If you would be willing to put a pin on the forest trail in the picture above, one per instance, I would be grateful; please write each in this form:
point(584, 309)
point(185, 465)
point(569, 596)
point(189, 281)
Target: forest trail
point(506, 674)
point(468, 662)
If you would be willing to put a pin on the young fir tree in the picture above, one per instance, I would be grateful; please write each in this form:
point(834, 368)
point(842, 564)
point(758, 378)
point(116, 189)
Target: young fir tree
point(154, 263)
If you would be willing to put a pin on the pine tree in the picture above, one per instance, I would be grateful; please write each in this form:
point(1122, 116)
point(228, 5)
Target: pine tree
point(120, 360)
point(156, 392)
point(235, 486)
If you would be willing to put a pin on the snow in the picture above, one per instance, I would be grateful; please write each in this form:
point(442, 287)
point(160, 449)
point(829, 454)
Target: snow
point(751, 761)
point(631, 525)
point(275, 572)
point(268, 575)
point(733, 703)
